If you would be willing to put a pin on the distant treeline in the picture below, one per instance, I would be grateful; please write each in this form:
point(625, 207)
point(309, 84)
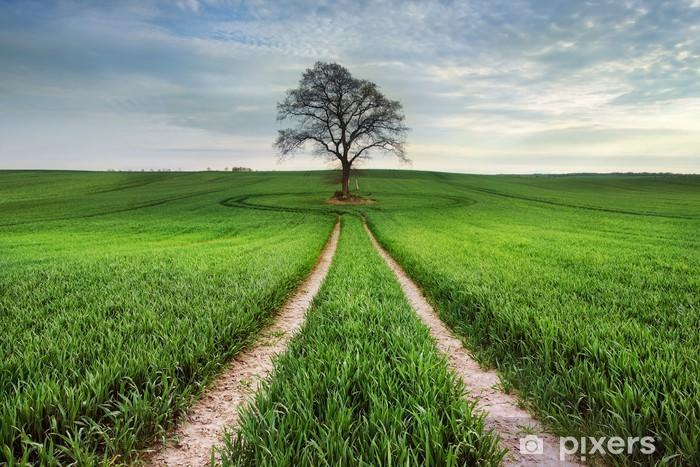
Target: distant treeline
point(581, 174)
point(209, 169)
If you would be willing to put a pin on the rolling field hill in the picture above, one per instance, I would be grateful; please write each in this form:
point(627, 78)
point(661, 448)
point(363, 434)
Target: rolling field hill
point(122, 294)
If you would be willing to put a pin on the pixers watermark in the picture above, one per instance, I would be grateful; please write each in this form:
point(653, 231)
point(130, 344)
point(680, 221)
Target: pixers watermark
point(531, 444)
point(590, 446)
point(616, 445)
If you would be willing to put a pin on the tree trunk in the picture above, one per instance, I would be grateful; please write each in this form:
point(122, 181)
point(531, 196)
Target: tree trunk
point(346, 180)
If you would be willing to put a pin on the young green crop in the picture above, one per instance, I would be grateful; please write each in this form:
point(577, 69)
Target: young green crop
point(583, 291)
point(120, 293)
point(362, 384)
point(126, 295)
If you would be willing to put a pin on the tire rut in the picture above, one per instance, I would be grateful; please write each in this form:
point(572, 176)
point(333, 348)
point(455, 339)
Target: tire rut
point(502, 413)
point(219, 406)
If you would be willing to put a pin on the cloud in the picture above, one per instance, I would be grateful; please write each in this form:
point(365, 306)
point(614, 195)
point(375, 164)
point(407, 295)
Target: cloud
point(515, 79)
point(192, 5)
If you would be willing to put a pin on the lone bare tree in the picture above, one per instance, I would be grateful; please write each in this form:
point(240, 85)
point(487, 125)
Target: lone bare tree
point(343, 118)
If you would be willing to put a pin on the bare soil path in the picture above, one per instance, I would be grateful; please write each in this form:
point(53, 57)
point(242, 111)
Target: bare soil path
point(219, 406)
point(503, 415)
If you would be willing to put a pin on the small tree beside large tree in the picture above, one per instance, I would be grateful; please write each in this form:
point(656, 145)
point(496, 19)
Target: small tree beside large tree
point(342, 117)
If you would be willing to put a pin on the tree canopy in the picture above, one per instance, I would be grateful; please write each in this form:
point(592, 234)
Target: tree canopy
point(342, 117)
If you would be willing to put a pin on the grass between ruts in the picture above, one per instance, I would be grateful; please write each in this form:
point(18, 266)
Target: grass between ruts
point(362, 384)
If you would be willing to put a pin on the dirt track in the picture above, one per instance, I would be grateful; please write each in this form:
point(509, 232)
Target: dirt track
point(502, 412)
point(219, 406)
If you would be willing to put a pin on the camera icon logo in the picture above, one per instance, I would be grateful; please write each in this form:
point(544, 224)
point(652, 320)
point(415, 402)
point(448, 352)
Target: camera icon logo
point(531, 444)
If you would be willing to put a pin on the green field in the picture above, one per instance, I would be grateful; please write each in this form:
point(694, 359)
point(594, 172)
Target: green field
point(362, 384)
point(122, 293)
point(583, 291)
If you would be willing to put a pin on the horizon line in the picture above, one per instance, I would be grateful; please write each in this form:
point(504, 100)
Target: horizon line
point(251, 170)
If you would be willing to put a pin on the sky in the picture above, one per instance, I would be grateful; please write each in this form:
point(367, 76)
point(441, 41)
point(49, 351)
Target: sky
point(512, 86)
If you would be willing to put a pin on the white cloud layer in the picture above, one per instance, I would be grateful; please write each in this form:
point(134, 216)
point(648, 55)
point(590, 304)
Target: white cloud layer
point(512, 86)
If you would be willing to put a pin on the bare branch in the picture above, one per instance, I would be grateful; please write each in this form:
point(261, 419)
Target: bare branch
point(340, 116)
